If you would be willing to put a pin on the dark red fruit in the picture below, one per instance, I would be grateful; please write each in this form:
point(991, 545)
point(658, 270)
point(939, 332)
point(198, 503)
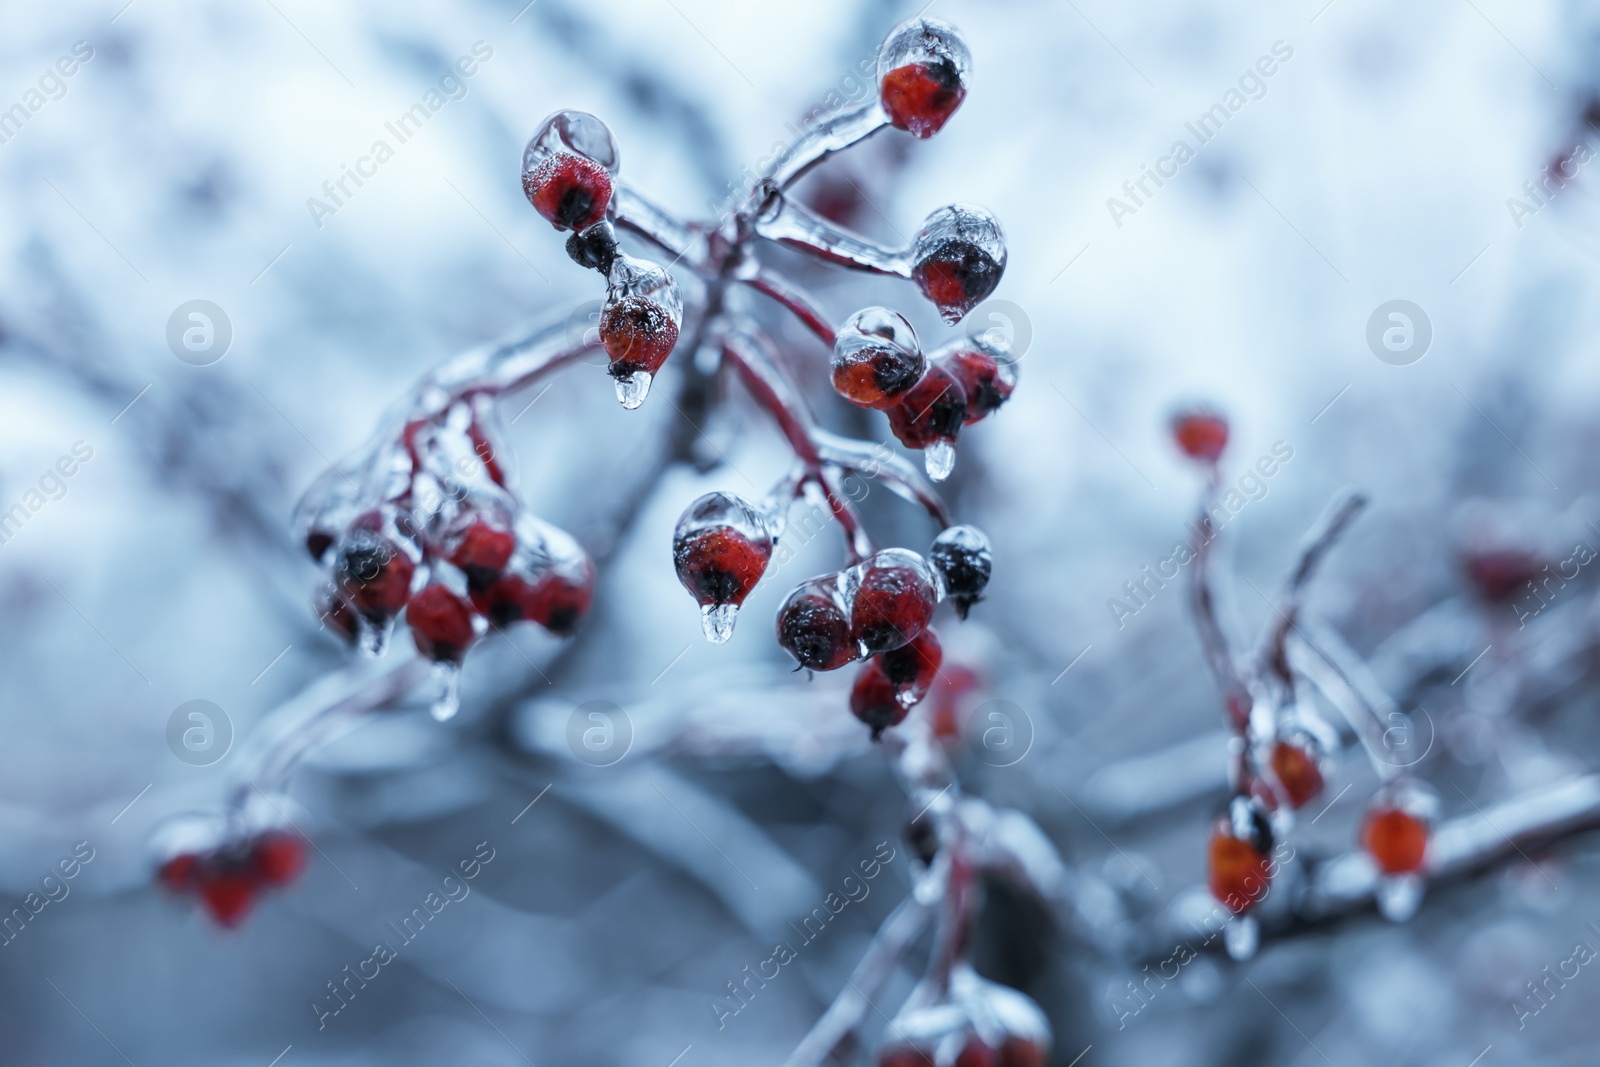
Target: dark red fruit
point(559, 603)
point(904, 1056)
point(570, 191)
point(1238, 869)
point(957, 274)
point(893, 604)
point(228, 895)
point(278, 857)
point(1019, 1051)
point(875, 700)
point(375, 574)
point(482, 553)
point(963, 559)
point(920, 98)
point(179, 872)
point(988, 384)
point(441, 624)
point(1396, 840)
point(814, 628)
point(876, 377)
point(1501, 575)
point(975, 1053)
point(317, 544)
point(932, 410)
point(336, 614)
point(639, 335)
point(1297, 772)
point(913, 666)
point(1201, 436)
point(720, 565)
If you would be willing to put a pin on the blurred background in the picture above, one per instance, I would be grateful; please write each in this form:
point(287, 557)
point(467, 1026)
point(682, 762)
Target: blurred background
point(1396, 153)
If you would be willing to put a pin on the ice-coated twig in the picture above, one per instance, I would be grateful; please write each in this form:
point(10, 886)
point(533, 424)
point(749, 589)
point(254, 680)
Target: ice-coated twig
point(793, 225)
point(1348, 683)
point(842, 131)
point(795, 299)
point(882, 462)
point(1313, 549)
point(1213, 640)
point(633, 212)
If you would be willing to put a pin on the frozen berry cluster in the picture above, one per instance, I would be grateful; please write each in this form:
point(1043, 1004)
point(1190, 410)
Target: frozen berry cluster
point(430, 531)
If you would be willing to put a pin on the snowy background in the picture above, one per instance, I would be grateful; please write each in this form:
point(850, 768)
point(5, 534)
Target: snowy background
point(176, 163)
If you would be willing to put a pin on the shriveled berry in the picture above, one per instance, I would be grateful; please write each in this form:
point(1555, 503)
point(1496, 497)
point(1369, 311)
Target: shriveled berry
point(1396, 840)
point(1298, 773)
point(814, 627)
point(570, 191)
point(922, 76)
point(876, 358)
point(278, 857)
point(1201, 435)
point(875, 699)
point(442, 623)
point(963, 559)
point(594, 248)
point(1238, 873)
point(958, 259)
point(933, 410)
point(375, 574)
point(893, 603)
point(482, 552)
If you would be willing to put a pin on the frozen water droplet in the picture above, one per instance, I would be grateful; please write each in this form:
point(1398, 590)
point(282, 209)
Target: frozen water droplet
point(1242, 936)
point(373, 638)
point(448, 702)
point(717, 620)
point(632, 389)
point(1399, 897)
point(940, 459)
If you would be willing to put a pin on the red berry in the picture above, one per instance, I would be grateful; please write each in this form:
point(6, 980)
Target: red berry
point(1297, 772)
point(950, 688)
point(1499, 575)
point(336, 614)
point(814, 627)
point(988, 378)
point(1396, 840)
point(278, 857)
point(482, 551)
point(1200, 435)
point(975, 1053)
point(721, 549)
point(228, 895)
point(559, 602)
point(932, 410)
point(894, 601)
point(442, 624)
point(178, 873)
point(375, 574)
point(913, 667)
point(1020, 1051)
point(876, 358)
point(920, 99)
point(1239, 868)
point(922, 73)
point(904, 1056)
point(875, 700)
point(317, 544)
point(570, 191)
point(958, 259)
point(639, 335)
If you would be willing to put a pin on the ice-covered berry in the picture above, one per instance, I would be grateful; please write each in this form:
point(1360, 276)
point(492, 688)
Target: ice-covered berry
point(443, 624)
point(1239, 864)
point(958, 258)
point(639, 325)
point(720, 550)
point(876, 358)
point(1200, 435)
point(1398, 825)
point(481, 550)
point(1501, 574)
point(893, 600)
point(814, 626)
point(963, 559)
point(1296, 768)
point(875, 699)
point(278, 857)
point(987, 372)
point(930, 417)
point(923, 67)
point(374, 573)
point(567, 170)
point(594, 248)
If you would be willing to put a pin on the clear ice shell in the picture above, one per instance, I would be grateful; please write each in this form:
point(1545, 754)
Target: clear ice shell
point(1241, 937)
point(632, 389)
point(940, 459)
point(577, 132)
point(717, 620)
point(1399, 896)
point(966, 228)
point(373, 639)
point(875, 327)
point(924, 41)
point(630, 276)
point(448, 701)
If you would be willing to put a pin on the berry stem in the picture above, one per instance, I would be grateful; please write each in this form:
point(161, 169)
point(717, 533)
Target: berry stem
point(635, 213)
point(796, 300)
point(844, 130)
point(1318, 540)
point(789, 223)
point(875, 460)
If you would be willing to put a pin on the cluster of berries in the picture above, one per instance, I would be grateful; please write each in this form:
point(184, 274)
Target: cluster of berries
point(440, 538)
point(1282, 756)
point(228, 878)
point(973, 1023)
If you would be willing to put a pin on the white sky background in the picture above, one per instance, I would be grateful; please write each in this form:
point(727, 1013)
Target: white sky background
point(178, 163)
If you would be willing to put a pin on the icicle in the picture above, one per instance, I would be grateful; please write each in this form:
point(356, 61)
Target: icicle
point(717, 620)
point(448, 701)
point(1399, 896)
point(940, 459)
point(632, 390)
point(1242, 936)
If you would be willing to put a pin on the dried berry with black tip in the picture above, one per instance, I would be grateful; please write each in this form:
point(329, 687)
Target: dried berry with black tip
point(963, 559)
